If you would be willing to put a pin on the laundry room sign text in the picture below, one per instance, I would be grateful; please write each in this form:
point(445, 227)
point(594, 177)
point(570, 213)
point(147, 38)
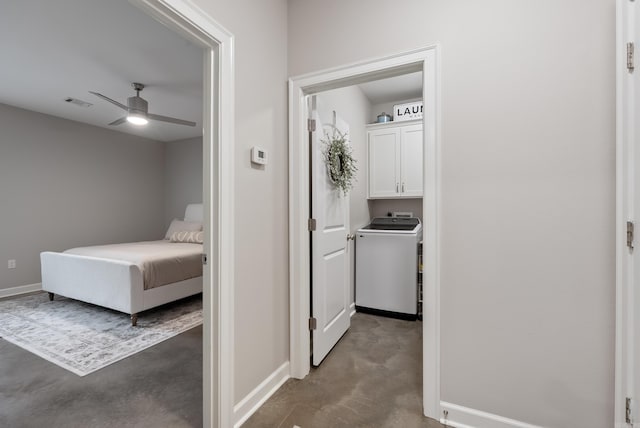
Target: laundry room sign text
point(407, 111)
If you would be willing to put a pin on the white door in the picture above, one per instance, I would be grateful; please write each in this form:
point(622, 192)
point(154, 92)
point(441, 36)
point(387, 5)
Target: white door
point(329, 244)
point(411, 143)
point(628, 281)
point(384, 163)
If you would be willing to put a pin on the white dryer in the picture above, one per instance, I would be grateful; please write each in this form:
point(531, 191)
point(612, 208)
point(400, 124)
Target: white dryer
point(387, 267)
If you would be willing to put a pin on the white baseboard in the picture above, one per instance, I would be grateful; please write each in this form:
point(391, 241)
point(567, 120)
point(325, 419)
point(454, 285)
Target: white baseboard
point(352, 309)
point(23, 289)
point(464, 417)
point(256, 398)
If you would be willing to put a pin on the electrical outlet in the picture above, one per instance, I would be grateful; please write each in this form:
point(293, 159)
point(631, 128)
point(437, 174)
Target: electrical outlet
point(11, 264)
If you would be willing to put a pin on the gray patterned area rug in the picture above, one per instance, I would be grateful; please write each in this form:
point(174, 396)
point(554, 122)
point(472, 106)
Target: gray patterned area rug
point(83, 338)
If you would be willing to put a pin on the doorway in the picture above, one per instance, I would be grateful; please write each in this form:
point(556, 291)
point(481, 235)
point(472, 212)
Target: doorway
point(217, 126)
point(218, 133)
point(425, 61)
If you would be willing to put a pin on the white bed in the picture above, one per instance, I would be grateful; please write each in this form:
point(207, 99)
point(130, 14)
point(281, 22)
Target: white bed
point(111, 282)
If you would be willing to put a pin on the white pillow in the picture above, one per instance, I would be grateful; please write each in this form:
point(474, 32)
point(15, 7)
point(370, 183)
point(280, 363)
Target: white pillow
point(182, 226)
point(188, 237)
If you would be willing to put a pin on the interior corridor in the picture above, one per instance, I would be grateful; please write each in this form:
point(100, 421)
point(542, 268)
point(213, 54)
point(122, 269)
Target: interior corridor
point(372, 378)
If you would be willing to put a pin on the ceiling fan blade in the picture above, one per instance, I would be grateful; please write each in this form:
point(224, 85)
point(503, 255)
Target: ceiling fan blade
point(114, 102)
point(119, 121)
point(170, 119)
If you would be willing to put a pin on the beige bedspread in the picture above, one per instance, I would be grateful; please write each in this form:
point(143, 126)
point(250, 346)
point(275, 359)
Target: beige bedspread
point(161, 262)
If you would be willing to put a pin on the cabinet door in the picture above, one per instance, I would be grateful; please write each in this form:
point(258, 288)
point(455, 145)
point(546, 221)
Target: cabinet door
point(384, 163)
point(411, 161)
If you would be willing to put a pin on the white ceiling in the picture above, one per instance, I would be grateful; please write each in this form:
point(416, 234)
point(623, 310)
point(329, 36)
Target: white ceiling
point(51, 50)
point(393, 89)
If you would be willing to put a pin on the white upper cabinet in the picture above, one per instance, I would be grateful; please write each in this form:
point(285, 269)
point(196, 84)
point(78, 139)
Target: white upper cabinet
point(411, 161)
point(395, 161)
point(384, 163)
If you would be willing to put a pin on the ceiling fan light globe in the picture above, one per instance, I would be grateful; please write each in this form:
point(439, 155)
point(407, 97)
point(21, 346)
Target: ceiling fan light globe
point(137, 119)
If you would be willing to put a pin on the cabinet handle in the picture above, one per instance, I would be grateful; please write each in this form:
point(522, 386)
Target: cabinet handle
point(402, 187)
point(397, 188)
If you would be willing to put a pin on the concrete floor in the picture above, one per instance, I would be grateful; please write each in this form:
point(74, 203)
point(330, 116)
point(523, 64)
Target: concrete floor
point(158, 387)
point(372, 378)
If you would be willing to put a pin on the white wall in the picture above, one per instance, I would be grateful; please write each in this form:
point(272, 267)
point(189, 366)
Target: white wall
point(528, 189)
point(66, 184)
point(261, 206)
point(183, 177)
point(354, 108)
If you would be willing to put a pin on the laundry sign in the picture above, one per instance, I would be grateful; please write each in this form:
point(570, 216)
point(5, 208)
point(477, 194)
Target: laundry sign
point(407, 111)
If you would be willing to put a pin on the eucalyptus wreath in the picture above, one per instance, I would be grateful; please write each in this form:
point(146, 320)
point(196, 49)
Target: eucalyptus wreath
point(341, 165)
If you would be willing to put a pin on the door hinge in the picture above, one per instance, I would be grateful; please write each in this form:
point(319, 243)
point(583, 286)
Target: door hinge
point(312, 323)
point(312, 224)
point(627, 416)
point(204, 259)
point(630, 235)
point(311, 125)
point(630, 48)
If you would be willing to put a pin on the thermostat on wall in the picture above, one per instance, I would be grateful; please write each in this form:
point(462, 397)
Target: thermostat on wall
point(258, 155)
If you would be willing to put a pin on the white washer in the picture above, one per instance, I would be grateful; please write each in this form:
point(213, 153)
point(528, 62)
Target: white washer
point(387, 266)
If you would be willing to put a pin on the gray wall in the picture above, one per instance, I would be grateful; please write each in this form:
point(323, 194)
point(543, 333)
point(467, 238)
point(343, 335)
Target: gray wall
point(528, 148)
point(261, 286)
point(354, 108)
point(65, 184)
point(183, 176)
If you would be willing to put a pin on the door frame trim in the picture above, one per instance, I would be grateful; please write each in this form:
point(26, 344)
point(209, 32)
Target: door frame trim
point(183, 17)
point(426, 59)
point(625, 173)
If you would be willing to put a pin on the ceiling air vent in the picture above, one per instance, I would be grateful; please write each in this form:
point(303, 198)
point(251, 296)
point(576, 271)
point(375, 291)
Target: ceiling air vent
point(78, 102)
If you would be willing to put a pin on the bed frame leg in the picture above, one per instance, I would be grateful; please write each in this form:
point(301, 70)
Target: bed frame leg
point(51, 297)
point(134, 320)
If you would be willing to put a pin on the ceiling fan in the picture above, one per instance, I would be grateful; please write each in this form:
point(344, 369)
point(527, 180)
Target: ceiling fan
point(137, 109)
